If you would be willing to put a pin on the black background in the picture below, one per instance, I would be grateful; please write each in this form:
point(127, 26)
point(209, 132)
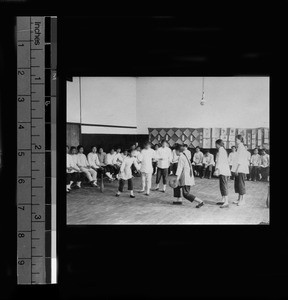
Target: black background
point(234, 38)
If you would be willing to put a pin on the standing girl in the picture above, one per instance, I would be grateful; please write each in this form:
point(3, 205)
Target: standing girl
point(125, 174)
point(240, 168)
point(222, 170)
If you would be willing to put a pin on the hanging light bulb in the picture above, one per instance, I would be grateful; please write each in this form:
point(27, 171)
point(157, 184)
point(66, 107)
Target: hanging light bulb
point(202, 102)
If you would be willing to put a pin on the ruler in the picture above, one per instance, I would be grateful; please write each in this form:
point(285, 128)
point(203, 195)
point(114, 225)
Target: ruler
point(36, 149)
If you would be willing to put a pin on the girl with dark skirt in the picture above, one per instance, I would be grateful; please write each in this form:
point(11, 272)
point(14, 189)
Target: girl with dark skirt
point(222, 170)
point(240, 169)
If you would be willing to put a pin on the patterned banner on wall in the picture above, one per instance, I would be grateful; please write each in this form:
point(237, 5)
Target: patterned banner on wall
point(206, 137)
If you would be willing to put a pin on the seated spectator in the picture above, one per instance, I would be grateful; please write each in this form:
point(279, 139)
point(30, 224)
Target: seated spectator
point(198, 162)
point(208, 163)
point(73, 164)
point(255, 165)
point(71, 172)
point(101, 157)
point(109, 164)
point(94, 162)
point(117, 161)
point(264, 166)
point(84, 166)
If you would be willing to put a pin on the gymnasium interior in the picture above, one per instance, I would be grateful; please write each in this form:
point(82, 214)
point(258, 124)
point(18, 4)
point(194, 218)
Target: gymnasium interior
point(112, 112)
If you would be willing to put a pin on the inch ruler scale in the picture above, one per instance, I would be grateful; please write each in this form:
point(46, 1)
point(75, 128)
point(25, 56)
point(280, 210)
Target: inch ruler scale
point(36, 149)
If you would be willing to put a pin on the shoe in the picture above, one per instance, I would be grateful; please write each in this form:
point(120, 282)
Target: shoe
point(156, 189)
point(117, 195)
point(146, 194)
point(132, 196)
point(177, 202)
point(220, 203)
point(224, 206)
point(67, 191)
point(77, 187)
point(141, 191)
point(162, 191)
point(235, 202)
point(199, 205)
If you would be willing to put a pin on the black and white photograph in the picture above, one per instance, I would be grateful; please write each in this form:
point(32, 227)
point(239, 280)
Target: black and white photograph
point(167, 150)
point(139, 147)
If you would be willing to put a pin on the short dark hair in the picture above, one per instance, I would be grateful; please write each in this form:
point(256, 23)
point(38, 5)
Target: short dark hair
point(79, 146)
point(147, 143)
point(197, 147)
point(185, 145)
point(67, 146)
point(163, 141)
point(233, 147)
point(240, 137)
point(72, 148)
point(93, 147)
point(178, 147)
point(220, 142)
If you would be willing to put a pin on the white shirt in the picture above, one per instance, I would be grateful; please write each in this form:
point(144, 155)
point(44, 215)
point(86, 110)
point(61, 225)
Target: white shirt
point(93, 160)
point(255, 160)
point(102, 158)
point(265, 160)
point(183, 169)
point(175, 157)
point(248, 157)
point(231, 157)
point(165, 154)
point(82, 160)
point(209, 160)
point(198, 158)
point(188, 154)
point(109, 158)
point(157, 154)
point(118, 159)
point(146, 157)
point(241, 159)
point(125, 170)
point(74, 159)
point(69, 163)
point(222, 162)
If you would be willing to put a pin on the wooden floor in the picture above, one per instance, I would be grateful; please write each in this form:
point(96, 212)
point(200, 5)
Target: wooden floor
point(89, 206)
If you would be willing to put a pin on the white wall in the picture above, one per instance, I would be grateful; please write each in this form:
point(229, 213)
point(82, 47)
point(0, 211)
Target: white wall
point(175, 102)
point(168, 102)
point(73, 101)
point(109, 100)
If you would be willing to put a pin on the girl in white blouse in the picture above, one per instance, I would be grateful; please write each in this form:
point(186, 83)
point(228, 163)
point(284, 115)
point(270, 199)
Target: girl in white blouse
point(240, 168)
point(222, 170)
point(125, 174)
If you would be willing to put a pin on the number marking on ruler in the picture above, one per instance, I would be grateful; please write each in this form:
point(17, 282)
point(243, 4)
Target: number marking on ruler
point(33, 144)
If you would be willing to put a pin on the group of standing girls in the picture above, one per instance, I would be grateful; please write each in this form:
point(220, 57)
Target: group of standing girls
point(239, 169)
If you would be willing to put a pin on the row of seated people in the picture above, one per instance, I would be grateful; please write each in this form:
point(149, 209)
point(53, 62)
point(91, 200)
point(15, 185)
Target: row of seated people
point(98, 162)
point(80, 167)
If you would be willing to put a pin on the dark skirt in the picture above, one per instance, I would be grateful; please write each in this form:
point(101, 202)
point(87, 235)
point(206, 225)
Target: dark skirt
point(239, 184)
point(223, 180)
